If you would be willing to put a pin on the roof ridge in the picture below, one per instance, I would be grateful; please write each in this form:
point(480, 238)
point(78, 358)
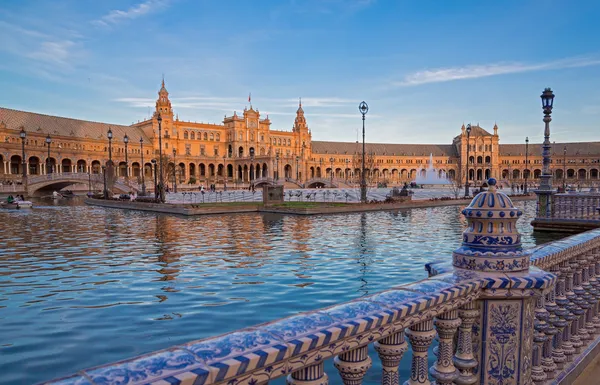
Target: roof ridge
point(63, 117)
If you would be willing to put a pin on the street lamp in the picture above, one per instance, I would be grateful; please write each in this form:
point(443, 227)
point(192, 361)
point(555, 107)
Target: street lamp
point(346, 171)
point(331, 173)
point(276, 167)
point(565, 169)
point(126, 140)
point(110, 136)
point(155, 176)
point(160, 162)
point(297, 168)
point(105, 191)
point(174, 172)
point(468, 159)
point(224, 172)
point(23, 135)
point(526, 164)
point(48, 142)
point(547, 104)
point(363, 108)
point(143, 167)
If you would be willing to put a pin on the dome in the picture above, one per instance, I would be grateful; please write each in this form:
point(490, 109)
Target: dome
point(491, 241)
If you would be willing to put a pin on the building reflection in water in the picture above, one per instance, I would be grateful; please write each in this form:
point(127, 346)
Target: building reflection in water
point(365, 254)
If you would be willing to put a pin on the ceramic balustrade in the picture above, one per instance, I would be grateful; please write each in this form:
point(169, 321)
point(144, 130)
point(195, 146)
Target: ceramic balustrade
point(581, 206)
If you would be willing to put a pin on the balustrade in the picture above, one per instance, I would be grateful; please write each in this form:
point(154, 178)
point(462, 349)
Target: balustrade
point(580, 206)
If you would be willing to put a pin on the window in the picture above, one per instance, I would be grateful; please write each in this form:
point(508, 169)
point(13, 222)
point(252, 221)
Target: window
point(202, 150)
point(216, 151)
point(218, 137)
point(205, 136)
point(193, 135)
point(212, 136)
point(166, 145)
point(185, 135)
point(262, 138)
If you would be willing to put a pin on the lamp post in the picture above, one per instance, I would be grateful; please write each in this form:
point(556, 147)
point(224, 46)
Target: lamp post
point(276, 167)
point(104, 191)
point(48, 142)
point(363, 108)
point(126, 140)
point(110, 136)
point(526, 164)
point(346, 172)
point(143, 169)
point(23, 135)
point(160, 162)
point(297, 168)
point(174, 172)
point(547, 104)
point(155, 176)
point(224, 172)
point(468, 159)
point(565, 169)
point(331, 173)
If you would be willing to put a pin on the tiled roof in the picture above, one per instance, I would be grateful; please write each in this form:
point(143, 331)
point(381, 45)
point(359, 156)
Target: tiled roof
point(475, 131)
point(350, 148)
point(56, 125)
point(535, 149)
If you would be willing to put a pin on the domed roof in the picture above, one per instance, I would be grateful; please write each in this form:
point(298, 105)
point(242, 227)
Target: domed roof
point(491, 241)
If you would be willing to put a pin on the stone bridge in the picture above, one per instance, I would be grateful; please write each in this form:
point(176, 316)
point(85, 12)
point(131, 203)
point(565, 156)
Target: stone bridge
point(321, 182)
point(38, 183)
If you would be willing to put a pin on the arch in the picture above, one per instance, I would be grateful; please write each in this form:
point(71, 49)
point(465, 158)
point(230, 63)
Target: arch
point(570, 173)
point(527, 173)
point(505, 174)
point(148, 170)
point(287, 171)
point(96, 167)
point(122, 169)
point(594, 173)
point(81, 165)
point(480, 159)
point(229, 151)
point(558, 173)
point(318, 172)
point(488, 159)
point(241, 152)
point(581, 174)
point(135, 169)
point(185, 135)
point(1, 164)
point(211, 170)
point(451, 174)
point(471, 159)
point(479, 174)
point(312, 172)
point(251, 152)
point(218, 137)
point(516, 174)
point(212, 136)
point(488, 173)
point(537, 173)
point(51, 165)
point(229, 171)
point(240, 174)
point(66, 165)
point(202, 170)
point(245, 174)
point(192, 135)
point(34, 165)
point(192, 169)
point(220, 169)
point(265, 170)
point(205, 136)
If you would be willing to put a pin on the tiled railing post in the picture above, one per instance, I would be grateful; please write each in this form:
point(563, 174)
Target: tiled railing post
point(311, 375)
point(559, 321)
point(547, 360)
point(541, 315)
point(573, 306)
point(580, 299)
point(464, 359)
point(353, 365)
point(420, 336)
point(567, 276)
point(443, 370)
point(390, 350)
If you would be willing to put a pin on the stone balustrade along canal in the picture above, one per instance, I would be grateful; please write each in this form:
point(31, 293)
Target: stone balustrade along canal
point(501, 314)
point(571, 212)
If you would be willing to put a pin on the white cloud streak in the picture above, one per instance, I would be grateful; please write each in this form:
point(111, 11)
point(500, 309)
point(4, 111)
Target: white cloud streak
point(480, 71)
point(116, 16)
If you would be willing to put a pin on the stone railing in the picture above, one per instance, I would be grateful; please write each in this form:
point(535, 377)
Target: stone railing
point(576, 206)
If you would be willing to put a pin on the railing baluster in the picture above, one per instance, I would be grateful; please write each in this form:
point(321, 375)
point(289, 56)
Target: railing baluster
point(464, 359)
point(574, 307)
point(541, 317)
point(588, 296)
point(353, 365)
point(559, 322)
point(444, 370)
point(547, 360)
point(595, 261)
point(390, 350)
point(420, 335)
point(567, 345)
point(583, 333)
point(310, 375)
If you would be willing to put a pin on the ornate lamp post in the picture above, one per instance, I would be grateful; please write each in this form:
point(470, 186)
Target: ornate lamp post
point(544, 193)
point(126, 140)
point(565, 168)
point(331, 173)
point(276, 167)
point(297, 167)
point(48, 142)
point(23, 135)
point(346, 172)
point(174, 172)
point(468, 159)
point(155, 182)
point(363, 107)
point(224, 172)
point(526, 164)
point(160, 186)
point(143, 169)
point(110, 136)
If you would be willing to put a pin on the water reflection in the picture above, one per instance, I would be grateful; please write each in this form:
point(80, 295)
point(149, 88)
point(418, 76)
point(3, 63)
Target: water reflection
point(81, 286)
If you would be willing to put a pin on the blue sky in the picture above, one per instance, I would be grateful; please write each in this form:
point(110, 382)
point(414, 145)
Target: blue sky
point(424, 67)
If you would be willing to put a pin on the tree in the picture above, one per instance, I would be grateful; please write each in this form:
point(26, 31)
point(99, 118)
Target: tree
point(456, 183)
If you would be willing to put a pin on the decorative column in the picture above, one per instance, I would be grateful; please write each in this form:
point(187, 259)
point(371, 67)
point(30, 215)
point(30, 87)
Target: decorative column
point(545, 191)
point(421, 336)
point(310, 375)
point(464, 359)
point(443, 370)
point(559, 321)
point(492, 249)
point(390, 350)
point(580, 299)
point(538, 375)
point(573, 307)
point(567, 277)
point(353, 365)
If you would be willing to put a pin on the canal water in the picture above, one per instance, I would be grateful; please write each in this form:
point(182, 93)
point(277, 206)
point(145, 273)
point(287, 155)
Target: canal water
point(82, 286)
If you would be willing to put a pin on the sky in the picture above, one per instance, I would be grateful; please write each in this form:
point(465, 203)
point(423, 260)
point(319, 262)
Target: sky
point(424, 67)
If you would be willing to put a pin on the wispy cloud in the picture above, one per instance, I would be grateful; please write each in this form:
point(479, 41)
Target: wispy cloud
point(116, 15)
point(479, 71)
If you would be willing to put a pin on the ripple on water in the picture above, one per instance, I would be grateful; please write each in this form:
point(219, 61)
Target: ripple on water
point(83, 286)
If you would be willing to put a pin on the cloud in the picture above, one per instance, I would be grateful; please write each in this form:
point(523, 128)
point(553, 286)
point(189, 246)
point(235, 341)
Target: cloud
point(486, 70)
point(116, 15)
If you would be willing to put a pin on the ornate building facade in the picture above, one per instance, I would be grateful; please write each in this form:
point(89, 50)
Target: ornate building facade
point(245, 149)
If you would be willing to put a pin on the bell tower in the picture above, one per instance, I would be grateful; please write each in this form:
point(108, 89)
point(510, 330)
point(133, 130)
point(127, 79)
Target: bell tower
point(163, 104)
point(300, 121)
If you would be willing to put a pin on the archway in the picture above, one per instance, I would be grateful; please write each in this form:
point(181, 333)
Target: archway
point(516, 174)
point(66, 165)
point(537, 173)
point(479, 174)
point(192, 167)
point(570, 173)
point(81, 165)
point(16, 165)
point(202, 170)
point(241, 152)
point(265, 170)
point(34, 165)
point(287, 171)
point(581, 174)
point(558, 174)
point(594, 173)
point(96, 167)
point(123, 169)
point(211, 170)
point(135, 170)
